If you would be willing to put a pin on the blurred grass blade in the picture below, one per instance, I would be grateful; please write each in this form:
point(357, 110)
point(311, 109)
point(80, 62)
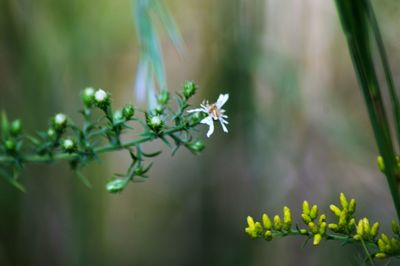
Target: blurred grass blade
point(386, 68)
point(151, 70)
point(13, 181)
point(354, 17)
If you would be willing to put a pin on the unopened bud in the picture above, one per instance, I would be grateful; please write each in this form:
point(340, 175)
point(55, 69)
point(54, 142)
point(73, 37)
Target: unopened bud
point(88, 96)
point(277, 223)
point(163, 97)
point(116, 185)
point(317, 239)
point(128, 111)
point(189, 89)
point(266, 222)
point(16, 127)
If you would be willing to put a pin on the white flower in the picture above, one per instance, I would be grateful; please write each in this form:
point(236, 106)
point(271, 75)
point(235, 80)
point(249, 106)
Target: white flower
point(100, 96)
point(214, 112)
point(60, 119)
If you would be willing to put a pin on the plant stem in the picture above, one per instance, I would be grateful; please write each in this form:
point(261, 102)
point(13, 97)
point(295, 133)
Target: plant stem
point(102, 149)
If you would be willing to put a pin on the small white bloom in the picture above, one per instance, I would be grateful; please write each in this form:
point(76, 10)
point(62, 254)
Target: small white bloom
point(214, 112)
point(60, 119)
point(68, 144)
point(155, 121)
point(100, 96)
point(89, 92)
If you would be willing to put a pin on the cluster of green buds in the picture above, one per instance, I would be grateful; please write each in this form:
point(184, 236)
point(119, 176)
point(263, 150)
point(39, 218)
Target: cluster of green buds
point(269, 229)
point(345, 229)
point(316, 225)
point(389, 247)
point(101, 132)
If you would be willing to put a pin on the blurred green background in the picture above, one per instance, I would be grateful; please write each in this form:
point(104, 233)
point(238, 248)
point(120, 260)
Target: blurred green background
point(298, 130)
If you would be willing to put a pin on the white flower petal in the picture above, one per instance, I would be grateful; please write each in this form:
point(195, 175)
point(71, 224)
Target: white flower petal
point(197, 110)
point(210, 129)
point(222, 122)
point(222, 100)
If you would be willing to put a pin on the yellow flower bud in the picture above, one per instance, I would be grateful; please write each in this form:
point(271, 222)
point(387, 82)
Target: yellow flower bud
point(314, 212)
point(266, 222)
point(322, 228)
point(277, 223)
point(343, 218)
point(395, 227)
point(374, 229)
point(317, 239)
point(395, 244)
point(360, 228)
point(250, 221)
point(306, 207)
point(343, 201)
point(313, 227)
point(322, 218)
point(287, 218)
point(303, 232)
point(381, 164)
point(385, 239)
point(333, 227)
point(381, 245)
point(366, 226)
point(357, 237)
point(306, 218)
point(268, 235)
point(335, 210)
point(352, 206)
point(380, 255)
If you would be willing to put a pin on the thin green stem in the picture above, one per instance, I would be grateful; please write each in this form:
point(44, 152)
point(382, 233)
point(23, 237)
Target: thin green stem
point(367, 252)
point(99, 150)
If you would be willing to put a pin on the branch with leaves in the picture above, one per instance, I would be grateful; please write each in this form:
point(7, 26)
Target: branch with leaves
point(101, 132)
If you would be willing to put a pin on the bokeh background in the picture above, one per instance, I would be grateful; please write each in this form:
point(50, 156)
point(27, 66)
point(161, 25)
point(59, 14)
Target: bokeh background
point(298, 130)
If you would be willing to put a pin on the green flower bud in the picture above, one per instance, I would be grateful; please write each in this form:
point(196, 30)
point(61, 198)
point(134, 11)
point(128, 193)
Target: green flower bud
point(116, 185)
point(381, 164)
point(395, 227)
point(59, 122)
point(266, 222)
point(128, 111)
point(197, 146)
point(163, 97)
point(155, 123)
point(306, 207)
point(197, 117)
point(306, 218)
point(69, 145)
point(268, 235)
point(88, 96)
point(16, 127)
point(343, 201)
point(189, 89)
point(51, 133)
point(374, 230)
point(352, 206)
point(380, 255)
point(287, 218)
point(352, 224)
point(314, 212)
point(335, 210)
point(277, 223)
point(10, 145)
point(317, 239)
point(101, 99)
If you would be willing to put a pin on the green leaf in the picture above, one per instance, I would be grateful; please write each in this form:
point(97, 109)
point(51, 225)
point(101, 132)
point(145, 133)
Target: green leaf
point(84, 180)
point(5, 125)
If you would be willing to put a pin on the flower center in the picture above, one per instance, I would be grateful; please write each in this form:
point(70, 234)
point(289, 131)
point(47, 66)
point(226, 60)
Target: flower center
point(213, 111)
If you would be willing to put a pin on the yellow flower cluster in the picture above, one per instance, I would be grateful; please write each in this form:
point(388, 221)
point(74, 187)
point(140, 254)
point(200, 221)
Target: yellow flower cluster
point(345, 229)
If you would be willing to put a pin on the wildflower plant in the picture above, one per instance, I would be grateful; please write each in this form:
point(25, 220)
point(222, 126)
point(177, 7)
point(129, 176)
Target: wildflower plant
point(64, 140)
